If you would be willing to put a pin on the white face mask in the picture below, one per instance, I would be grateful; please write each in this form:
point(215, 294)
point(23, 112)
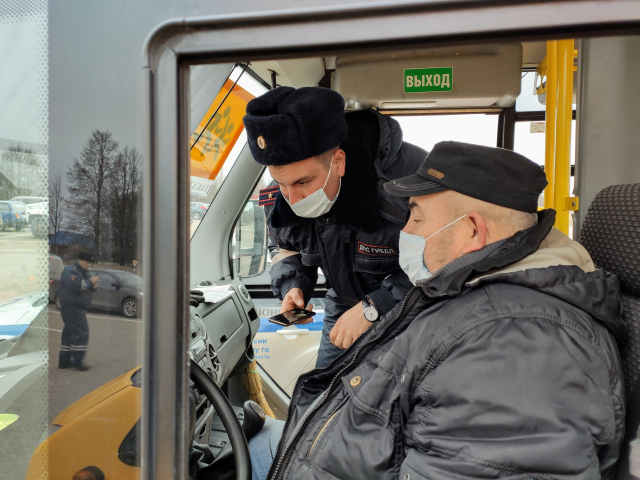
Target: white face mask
point(411, 249)
point(315, 204)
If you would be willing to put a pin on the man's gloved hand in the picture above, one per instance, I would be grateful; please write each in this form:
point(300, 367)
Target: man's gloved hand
point(349, 327)
point(295, 299)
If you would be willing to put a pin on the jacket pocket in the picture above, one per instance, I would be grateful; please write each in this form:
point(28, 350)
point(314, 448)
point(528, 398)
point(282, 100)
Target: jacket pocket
point(375, 386)
point(324, 432)
point(376, 265)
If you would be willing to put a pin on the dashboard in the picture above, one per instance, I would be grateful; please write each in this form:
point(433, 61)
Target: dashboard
point(220, 342)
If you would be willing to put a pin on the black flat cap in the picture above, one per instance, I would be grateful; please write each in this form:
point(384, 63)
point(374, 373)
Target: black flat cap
point(495, 175)
point(87, 257)
point(286, 125)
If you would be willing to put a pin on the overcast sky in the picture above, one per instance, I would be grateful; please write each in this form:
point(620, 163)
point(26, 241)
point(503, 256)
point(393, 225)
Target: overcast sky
point(94, 76)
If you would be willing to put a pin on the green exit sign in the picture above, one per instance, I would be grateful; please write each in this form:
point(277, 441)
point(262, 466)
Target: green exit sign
point(439, 79)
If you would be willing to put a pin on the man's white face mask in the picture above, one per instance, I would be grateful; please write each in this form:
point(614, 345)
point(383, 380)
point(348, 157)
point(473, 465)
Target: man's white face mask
point(411, 249)
point(315, 204)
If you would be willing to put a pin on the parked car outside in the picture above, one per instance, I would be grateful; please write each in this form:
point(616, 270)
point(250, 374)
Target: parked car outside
point(13, 215)
point(198, 210)
point(38, 218)
point(118, 291)
point(28, 200)
point(37, 210)
point(16, 314)
point(55, 266)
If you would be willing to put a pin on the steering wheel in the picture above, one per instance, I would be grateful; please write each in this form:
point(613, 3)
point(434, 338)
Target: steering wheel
point(228, 416)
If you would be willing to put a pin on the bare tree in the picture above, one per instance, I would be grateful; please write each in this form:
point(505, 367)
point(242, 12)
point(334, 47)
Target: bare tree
point(57, 209)
point(125, 187)
point(88, 179)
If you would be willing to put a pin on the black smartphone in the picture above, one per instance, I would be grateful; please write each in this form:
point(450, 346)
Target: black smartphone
point(292, 316)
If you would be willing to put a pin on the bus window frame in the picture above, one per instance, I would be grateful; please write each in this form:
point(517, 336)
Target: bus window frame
point(176, 44)
point(510, 116)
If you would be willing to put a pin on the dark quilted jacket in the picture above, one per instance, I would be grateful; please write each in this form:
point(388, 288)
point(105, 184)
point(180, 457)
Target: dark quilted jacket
point(76, 290)
point(356, 242)
point(500, 369)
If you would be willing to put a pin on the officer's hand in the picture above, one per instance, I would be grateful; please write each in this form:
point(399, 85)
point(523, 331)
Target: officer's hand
point(94, 280)
point(349, 327)
point(295, 299)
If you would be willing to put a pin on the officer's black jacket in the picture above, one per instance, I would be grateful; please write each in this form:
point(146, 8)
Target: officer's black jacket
point(356, 242)
point(76, 290)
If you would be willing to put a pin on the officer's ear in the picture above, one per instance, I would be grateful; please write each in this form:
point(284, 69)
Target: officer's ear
point(339, 160)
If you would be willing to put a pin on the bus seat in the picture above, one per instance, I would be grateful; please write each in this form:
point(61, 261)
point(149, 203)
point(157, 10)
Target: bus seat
point(611, 235)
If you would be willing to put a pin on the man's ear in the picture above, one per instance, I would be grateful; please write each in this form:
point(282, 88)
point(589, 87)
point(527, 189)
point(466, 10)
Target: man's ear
point(478, 240)
point(339, 159)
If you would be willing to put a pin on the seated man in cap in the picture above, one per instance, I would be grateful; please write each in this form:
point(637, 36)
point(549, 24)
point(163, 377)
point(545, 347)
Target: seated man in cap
point(329, 208)
point(502, 362)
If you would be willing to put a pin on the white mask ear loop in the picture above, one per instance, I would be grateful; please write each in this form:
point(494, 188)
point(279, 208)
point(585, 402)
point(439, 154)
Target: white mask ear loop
point(448, 225)
point(327, 180)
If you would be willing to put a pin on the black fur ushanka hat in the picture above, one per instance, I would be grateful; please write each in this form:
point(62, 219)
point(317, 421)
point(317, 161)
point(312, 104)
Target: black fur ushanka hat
point(286, 125)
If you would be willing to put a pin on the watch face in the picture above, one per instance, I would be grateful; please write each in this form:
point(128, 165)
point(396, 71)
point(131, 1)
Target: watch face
point(371, 314)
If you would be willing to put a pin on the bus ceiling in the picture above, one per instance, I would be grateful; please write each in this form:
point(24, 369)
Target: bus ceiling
point(487, 76)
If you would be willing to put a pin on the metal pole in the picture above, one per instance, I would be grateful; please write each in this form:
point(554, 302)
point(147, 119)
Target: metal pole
point(550, 120)
point(563, 136)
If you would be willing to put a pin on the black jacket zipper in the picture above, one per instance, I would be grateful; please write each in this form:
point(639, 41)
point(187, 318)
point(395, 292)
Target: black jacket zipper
point(411, 298)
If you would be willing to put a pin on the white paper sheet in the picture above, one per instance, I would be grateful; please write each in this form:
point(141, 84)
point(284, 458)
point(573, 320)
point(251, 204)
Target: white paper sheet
point(215, 296)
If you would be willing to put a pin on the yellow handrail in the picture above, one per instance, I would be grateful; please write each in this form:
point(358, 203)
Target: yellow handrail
point(551, 63)
point(562, 169)
point(557, 69)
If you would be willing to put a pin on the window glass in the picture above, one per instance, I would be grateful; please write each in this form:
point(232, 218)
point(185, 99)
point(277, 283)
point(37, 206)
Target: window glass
point(252, 260)
point(127, 278)
point(71, 153)
point(529, 140)
point(528, 100)
point(105, 278)
point(427, 130)
point(19, 207)
point(218, 140)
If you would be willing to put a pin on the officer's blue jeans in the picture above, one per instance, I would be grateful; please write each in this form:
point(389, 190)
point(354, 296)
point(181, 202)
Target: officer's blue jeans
point(75, 336)
point(333, 310)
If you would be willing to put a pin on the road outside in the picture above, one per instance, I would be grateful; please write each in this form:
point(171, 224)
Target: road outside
point(24, 264)
point(114, 348)
point(115, 344)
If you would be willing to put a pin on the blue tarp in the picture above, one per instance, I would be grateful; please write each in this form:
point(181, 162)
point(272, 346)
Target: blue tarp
point(71, 238)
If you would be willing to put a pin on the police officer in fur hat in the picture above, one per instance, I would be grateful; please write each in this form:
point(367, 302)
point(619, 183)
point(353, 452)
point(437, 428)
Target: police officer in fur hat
point(76, 292)
point(327, 206)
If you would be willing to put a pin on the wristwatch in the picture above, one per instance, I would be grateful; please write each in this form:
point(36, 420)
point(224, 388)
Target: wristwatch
point(370, 312)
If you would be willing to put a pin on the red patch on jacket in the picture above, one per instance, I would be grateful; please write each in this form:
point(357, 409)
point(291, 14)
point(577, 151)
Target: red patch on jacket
point(375, 250)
